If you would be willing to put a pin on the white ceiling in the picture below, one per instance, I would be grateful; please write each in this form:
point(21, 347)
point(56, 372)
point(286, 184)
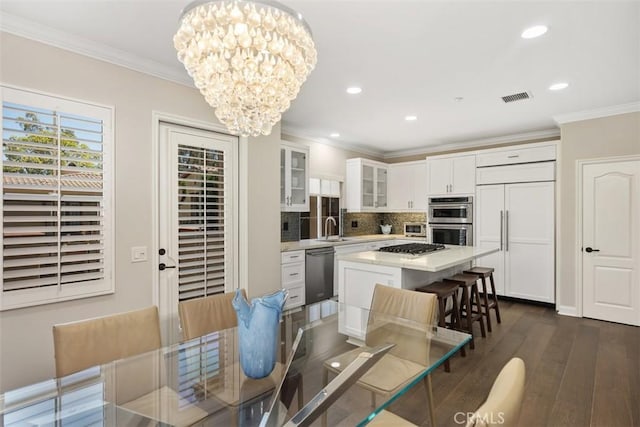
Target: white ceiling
point(410, 57)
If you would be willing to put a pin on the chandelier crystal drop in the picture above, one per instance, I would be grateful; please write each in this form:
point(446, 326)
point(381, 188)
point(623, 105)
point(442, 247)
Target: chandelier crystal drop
point(247, 58)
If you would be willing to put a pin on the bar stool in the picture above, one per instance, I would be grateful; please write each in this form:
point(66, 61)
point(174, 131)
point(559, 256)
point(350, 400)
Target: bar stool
point(489, 302)
point(470, 297)
point(444, 291)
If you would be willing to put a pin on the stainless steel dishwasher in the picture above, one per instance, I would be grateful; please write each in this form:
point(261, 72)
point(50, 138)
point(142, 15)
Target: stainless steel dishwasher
point(319, 274)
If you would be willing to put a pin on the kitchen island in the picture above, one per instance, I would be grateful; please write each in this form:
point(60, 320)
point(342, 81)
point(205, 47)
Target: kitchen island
point(359, 272)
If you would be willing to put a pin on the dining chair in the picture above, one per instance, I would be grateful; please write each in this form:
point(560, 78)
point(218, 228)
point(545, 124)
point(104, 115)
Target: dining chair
point(402, 317)
point(83, 344)
point(202, 316)
point(502, 407)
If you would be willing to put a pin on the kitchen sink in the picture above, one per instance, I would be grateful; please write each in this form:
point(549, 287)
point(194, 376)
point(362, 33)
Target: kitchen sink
point(333, 239)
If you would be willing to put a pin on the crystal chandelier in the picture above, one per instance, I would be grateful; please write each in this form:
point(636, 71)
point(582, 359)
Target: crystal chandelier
point(248, 59)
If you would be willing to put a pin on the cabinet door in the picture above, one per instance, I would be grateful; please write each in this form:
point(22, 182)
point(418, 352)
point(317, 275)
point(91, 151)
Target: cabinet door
point(463, 175)
point(368, 186)
point(419, 198)
point(529, 241)
point(381, 187)
point(400, 194)
point(299, 181)
point(489, 229)
point(438, 176)
point(284, 191)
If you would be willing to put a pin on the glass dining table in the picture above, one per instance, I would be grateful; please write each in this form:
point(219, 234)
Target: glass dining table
point(200, 382)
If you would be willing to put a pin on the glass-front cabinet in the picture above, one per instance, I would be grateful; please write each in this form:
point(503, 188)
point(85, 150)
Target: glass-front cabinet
point(367, 185)
point(294, 178)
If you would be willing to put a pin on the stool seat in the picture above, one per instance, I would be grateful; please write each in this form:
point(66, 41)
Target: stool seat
point(463, 279)
point(480, 271)
point(441, 289)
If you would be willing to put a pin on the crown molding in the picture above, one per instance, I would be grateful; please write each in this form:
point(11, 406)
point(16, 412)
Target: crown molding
point(30, 30)
point(613, 110)
point(342, 145)
point(505, 139)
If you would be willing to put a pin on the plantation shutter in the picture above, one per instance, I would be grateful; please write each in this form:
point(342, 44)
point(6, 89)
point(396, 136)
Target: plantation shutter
point(201, 222)
point(53, 202)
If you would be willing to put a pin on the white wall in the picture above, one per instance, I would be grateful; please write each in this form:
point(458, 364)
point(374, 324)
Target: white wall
point(588, 139)
point(26, 345)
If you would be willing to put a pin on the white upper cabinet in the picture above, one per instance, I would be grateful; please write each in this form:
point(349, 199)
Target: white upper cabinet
point(408, 186)
point(294, 178)
point(451, 175)
point(367, 185)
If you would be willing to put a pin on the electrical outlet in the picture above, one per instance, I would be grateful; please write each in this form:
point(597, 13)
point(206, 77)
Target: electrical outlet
point(138, 254)
point(354, 224)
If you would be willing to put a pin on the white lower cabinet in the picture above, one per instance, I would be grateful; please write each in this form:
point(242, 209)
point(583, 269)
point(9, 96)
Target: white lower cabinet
point(520, 219)
point(352, 248)
point(292, 277)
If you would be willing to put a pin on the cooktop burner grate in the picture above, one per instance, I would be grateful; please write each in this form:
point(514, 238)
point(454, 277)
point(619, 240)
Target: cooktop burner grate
point(413, 248)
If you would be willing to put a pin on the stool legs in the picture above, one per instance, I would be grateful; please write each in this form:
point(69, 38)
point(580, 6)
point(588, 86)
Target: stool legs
point(486, 303)
point(442, 322)
point(475, 295)
point(466, 304)
point(495, 298)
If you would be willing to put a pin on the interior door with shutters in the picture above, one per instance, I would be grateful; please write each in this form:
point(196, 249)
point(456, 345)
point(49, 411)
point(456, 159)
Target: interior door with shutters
point(196, 210)
point(610, 241)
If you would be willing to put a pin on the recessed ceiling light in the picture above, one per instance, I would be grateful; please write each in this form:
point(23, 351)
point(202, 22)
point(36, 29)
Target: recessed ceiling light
point(411, 118)
point(354, 90)
point(334, 135)
point(559, 86)
point(533, 32)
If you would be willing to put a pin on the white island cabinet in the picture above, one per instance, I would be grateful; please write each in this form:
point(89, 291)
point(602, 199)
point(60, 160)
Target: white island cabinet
point(358, 274)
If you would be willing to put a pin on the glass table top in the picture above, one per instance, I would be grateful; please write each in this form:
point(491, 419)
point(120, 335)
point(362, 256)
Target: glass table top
point(200, 382)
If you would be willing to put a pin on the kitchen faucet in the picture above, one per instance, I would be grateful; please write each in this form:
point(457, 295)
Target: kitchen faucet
point(326, 224)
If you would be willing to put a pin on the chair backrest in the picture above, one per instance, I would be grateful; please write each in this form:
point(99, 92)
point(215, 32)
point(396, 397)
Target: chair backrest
point(502, 407)
point(81, 345)
point(403, 317)
point(201, 316)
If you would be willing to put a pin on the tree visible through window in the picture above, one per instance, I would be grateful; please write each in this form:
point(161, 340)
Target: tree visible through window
point(55, 209)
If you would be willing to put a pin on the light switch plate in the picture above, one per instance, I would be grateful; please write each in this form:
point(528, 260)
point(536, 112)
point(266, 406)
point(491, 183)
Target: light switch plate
point(138, 254)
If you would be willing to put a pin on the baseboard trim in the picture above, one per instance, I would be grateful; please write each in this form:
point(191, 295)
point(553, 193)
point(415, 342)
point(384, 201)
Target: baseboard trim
point(567, 310)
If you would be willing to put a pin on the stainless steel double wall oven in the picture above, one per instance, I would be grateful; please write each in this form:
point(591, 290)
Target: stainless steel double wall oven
point(451, 220)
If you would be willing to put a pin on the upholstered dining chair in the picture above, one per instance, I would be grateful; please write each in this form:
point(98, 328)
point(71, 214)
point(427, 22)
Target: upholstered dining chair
point(502, 407)
point(83, 344)
point(202, 316)
point(393, 313)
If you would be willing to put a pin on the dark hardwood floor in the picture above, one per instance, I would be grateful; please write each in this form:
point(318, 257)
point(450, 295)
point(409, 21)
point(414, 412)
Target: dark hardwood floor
point(580, 372)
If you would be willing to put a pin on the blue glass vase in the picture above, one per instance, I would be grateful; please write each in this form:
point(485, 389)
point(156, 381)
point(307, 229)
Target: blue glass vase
point(258, 331)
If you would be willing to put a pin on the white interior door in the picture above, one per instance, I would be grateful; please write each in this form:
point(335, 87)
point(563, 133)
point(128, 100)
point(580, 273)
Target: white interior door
point(489, 229)
point(197, 231)
point(529, 241)
point(610, 240)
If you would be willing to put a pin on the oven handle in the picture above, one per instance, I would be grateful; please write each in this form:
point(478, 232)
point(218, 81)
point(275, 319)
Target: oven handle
point(501, 227)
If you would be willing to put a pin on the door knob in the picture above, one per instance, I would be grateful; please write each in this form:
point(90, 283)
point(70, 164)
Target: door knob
point(589, 250)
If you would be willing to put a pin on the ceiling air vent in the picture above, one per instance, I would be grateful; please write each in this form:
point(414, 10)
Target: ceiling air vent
point(517, 97)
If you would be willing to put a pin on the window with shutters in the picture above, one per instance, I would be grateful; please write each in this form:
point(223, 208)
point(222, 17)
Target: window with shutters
point(56, 199)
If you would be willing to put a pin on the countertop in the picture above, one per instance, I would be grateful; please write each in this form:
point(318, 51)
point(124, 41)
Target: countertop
point(313, 244)
point(432, 262)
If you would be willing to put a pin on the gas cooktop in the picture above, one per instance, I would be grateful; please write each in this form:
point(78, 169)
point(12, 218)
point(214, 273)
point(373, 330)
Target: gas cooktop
point(413, 248)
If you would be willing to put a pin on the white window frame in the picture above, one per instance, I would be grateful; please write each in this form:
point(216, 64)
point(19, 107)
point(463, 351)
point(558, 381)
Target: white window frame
point(52, 294)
